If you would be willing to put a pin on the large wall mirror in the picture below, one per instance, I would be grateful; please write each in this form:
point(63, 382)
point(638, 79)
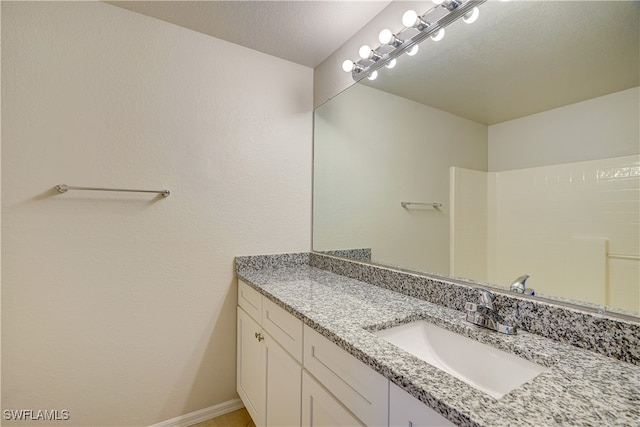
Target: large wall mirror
point(516, 139)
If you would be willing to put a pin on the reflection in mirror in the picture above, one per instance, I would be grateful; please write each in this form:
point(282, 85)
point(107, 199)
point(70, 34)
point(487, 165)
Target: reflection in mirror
point(524, 127)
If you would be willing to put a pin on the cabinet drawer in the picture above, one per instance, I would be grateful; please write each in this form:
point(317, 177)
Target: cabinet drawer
point(250, 300)
point(406, 411)
point(361, 389)
point(319, 407)
point(283, 327)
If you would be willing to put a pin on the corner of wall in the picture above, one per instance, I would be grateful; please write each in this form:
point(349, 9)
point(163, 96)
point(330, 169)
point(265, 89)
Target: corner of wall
point(328, 78)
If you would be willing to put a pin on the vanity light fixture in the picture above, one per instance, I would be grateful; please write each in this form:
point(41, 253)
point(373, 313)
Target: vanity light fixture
point(416, 29)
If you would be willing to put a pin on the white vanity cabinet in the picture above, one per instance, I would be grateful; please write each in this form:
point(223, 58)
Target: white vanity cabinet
point(269, 360)
point(331, 388)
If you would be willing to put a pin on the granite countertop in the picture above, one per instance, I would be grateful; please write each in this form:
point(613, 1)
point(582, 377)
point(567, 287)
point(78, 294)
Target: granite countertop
point(580, 388)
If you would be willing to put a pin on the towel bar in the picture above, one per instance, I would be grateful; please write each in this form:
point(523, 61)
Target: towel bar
point(63, 188)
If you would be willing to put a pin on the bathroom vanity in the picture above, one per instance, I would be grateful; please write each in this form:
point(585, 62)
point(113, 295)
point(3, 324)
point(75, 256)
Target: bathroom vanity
point(310, 352)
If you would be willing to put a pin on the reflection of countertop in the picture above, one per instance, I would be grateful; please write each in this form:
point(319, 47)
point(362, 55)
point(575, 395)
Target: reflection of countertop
point(581, 388)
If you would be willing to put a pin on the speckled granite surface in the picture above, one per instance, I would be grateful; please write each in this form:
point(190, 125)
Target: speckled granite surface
point(580, 388)
point(265, 262)
point(363, 254)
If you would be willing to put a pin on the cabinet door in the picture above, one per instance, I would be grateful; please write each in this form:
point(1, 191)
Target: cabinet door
point(320, 408)
point(251, 374)
point(407, 411)
point(284, 382)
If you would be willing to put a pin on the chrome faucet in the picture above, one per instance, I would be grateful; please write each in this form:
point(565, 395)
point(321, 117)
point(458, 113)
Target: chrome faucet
point(519, 286)
point(485, 313)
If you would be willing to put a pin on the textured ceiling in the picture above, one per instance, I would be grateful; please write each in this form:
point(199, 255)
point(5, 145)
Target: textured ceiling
point(305, 32)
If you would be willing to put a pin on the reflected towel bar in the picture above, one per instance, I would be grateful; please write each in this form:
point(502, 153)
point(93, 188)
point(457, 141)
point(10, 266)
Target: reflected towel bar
point(624, 256)
point(433, 204)
point(63, 188)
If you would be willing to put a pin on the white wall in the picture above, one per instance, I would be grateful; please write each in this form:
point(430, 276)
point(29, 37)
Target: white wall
point(468, 238)
point(121, 307)
point(598, 128)
point(364, 168)
point(329, 79)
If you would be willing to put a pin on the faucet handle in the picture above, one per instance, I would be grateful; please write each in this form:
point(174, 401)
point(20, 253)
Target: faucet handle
point(519, 285)
point(488, 315)
point(486, 298)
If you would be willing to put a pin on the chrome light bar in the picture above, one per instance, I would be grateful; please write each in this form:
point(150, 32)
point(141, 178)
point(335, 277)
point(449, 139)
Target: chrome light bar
point(428, 24)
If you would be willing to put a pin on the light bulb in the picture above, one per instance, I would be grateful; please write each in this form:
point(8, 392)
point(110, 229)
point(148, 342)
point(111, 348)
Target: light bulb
point(373, 75)
point(386, 36)
point(365, 52)
point(471, 16)
point(413, 50)
point(409, 18)
point(391, 63)
point(348, 65)
point(438, 36)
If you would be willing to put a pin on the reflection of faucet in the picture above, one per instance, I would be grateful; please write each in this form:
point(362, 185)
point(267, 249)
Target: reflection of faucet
point(485, 314)
point(519, 286)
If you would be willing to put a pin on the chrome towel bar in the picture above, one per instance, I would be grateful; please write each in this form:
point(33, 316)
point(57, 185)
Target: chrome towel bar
point(63, 188)
point(624, 256)
point(434, 205)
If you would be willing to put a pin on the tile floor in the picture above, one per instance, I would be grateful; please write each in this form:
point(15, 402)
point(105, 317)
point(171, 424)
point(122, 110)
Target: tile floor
point(239, 418)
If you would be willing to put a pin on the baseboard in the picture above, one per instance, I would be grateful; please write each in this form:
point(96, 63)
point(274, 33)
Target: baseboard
point(202, 415)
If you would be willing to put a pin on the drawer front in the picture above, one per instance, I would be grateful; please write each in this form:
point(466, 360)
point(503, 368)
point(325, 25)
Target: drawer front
point(250, 300)
point(407, 411)
point(362, 390)
point(320, 408)
point(283, 327)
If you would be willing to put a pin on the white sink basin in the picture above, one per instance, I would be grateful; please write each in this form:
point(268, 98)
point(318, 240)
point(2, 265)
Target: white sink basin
point(486, 368)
